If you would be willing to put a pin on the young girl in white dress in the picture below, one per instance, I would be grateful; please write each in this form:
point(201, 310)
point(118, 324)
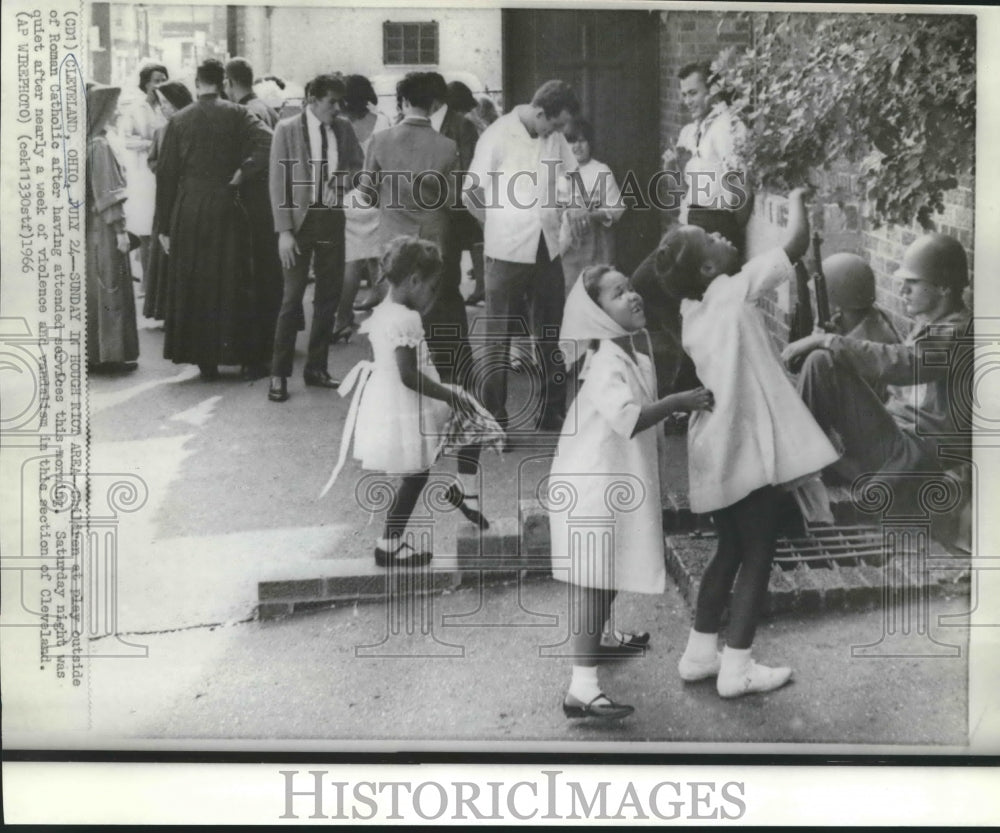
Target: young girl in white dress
point(404, 410)
point(760, 436)
point(607, 449)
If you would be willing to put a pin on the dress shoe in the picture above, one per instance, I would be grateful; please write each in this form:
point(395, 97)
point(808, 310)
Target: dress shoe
point(617, 639)
point(475, 299)
point(278, 390)
point(600, 706)
point(209, 372)
point(344, 333)
point(403, 556)
point(253, 372)
point(320, 379)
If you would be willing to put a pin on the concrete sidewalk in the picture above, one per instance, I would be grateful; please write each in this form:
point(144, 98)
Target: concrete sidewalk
point(231, 484)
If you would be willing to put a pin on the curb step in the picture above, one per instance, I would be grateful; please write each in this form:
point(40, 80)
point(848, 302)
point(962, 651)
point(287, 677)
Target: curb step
point(518, 549)
point(360, 581)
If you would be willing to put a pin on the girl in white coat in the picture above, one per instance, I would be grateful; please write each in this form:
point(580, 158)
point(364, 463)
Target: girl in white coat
point(759, 436)
point(603, 492)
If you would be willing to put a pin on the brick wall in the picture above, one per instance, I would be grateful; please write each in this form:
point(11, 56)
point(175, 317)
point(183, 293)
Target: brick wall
point(687, 37)
point(840, 214)
point(844, 227)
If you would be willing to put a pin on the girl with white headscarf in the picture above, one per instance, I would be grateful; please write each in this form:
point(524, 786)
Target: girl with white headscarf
point(603, 494)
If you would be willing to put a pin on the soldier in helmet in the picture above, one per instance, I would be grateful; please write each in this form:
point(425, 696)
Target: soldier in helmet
point(850, 285)
point(923, 410)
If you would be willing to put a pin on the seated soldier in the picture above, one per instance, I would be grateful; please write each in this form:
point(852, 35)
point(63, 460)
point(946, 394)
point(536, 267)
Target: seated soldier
point(850, 286)
point(840, 374)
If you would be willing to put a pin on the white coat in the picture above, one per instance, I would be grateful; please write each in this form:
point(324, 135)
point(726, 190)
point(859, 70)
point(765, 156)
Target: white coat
point(605, 515)
point(760, 432)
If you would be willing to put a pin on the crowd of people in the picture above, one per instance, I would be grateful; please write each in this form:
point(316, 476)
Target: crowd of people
point(250, 208)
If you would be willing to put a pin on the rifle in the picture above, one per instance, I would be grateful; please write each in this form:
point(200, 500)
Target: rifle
point(803, 321)
point(802, 316)
point(819, 282)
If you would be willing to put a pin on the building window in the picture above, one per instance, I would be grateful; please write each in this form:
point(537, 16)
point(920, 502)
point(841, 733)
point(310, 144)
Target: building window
point(410, 43)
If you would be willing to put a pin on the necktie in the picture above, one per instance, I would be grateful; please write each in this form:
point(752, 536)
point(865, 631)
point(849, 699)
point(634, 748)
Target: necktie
point(324, 149)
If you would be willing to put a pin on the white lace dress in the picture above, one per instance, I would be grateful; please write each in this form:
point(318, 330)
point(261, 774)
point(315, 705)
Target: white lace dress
point(398, 430)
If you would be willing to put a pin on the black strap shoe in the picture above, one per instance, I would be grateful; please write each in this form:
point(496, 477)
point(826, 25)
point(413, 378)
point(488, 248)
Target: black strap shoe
point(457, 498)
point(601, 706)
point(618, 639)
point(403, 556)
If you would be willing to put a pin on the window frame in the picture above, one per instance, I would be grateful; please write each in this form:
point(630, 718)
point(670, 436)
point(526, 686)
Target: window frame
point(396, 49)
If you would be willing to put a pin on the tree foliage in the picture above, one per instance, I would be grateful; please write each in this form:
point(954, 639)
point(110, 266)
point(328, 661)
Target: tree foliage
point(893, 95)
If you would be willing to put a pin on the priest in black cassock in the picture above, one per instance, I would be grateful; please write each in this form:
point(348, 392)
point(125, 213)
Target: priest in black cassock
point(208, 149)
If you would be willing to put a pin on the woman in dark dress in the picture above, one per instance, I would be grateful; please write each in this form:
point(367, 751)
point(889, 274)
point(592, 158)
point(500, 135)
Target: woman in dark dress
point(208, 149)
point(112, 338)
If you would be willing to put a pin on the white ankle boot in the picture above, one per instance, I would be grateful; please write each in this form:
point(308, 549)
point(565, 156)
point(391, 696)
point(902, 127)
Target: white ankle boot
point(739, 674)
point(701, 658)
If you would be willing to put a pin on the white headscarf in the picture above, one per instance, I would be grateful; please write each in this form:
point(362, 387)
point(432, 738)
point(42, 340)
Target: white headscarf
point(584, 321)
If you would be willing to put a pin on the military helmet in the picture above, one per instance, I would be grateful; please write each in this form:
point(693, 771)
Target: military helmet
point(850, 282)
point(937, 258)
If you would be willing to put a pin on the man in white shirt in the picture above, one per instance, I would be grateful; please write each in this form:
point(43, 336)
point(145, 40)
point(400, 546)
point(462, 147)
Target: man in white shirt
point(511, 190)
point(709, 154)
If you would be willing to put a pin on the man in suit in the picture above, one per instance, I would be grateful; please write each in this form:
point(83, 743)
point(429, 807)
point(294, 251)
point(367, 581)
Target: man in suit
point(314, 158)
point(413, 167)
point(447, 315)
point(457, 127)
point(424, 163)
point(239, 88)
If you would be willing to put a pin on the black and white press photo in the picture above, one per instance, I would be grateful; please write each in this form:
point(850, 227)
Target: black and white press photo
point(561, 379)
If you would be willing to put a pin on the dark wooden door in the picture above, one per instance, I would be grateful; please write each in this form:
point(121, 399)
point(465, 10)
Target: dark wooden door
point(611, 59)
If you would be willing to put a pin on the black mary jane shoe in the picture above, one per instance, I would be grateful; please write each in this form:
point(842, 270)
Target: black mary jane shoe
point(601, 706)
point(627, 640)
point(457, 498)
point(403, 556)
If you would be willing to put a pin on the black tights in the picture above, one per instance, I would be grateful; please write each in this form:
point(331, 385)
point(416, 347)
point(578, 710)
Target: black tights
point(403, 502)
point(412, 485)
point(747, 533)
